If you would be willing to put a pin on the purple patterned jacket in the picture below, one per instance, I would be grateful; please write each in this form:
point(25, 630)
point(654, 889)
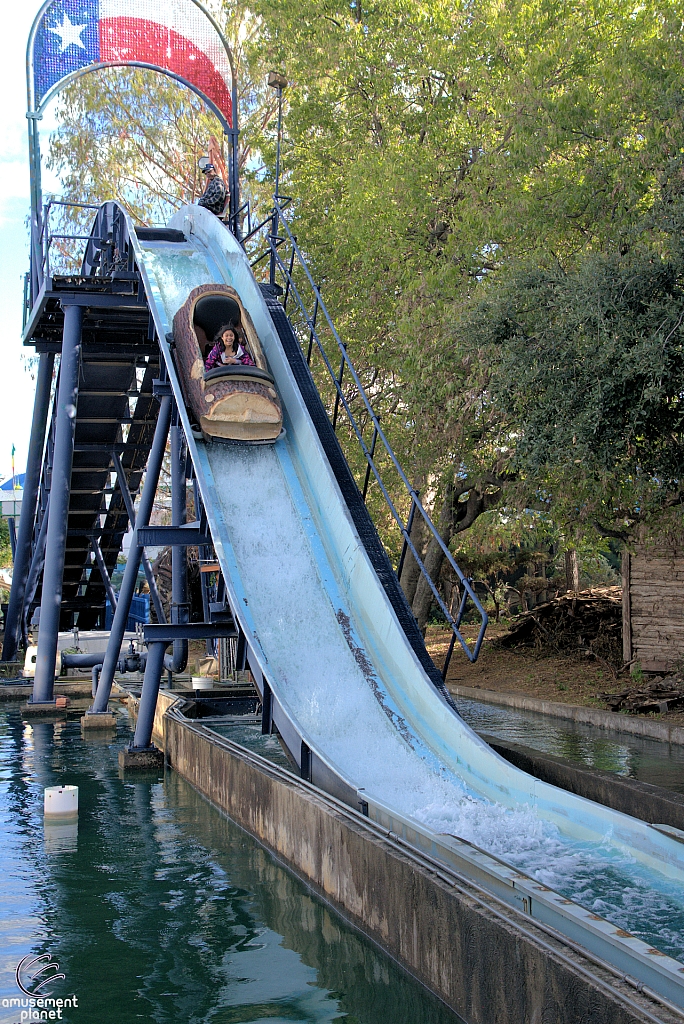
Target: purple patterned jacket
point(214, 357)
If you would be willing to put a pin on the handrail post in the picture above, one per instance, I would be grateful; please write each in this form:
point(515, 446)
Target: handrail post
point(461, 609)
point(339, 386)
point(272, 242)
point(409, 526)
point(289, 278)
point(371, 454)
point(312, 331)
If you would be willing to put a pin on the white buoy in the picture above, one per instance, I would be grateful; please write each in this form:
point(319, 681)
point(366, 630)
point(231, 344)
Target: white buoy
point(203, 683)
point(61, 802)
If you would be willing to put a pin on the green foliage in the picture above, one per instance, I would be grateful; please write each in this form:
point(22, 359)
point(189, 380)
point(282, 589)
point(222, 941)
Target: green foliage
point(587, 368)
point(436, 152)
point(490, 195)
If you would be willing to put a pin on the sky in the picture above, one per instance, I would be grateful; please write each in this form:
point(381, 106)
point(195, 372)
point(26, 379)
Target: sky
point(16, 384)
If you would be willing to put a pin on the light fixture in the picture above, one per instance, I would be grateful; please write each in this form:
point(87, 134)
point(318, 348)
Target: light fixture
point(277, 80)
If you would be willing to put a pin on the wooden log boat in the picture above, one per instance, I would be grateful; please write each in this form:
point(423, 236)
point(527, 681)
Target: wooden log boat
point(229, 402)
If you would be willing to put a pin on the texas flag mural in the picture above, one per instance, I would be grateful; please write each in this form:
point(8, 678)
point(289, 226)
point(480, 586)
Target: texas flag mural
point(171, 34)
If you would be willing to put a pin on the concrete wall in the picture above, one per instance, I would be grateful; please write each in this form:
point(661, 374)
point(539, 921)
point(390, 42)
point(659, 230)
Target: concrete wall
point(462, 945)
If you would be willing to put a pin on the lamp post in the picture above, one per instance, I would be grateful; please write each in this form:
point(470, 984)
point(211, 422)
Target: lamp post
point(278, 81)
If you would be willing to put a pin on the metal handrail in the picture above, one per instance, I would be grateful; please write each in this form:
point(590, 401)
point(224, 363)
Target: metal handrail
point(275, 241)
point(47, 237)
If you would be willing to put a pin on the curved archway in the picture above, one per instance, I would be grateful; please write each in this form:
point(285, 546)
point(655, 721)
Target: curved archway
point(177, 38)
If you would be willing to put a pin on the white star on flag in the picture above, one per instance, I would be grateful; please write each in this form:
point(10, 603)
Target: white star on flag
point(69, 33)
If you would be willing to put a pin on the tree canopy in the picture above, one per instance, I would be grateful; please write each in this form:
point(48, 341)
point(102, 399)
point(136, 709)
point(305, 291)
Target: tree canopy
point(492, 195)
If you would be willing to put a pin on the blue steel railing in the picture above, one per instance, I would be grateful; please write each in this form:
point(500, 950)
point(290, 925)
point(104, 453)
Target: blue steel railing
point(281, 240)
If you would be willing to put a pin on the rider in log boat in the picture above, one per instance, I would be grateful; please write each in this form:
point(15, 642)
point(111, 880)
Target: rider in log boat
point(222, 368)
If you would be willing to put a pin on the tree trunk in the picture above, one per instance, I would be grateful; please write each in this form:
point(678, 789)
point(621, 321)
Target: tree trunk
point(410, 573)
point(572, 579)
point(434, 556)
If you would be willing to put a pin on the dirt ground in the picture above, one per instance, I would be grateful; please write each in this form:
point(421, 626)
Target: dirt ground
point(567, 680)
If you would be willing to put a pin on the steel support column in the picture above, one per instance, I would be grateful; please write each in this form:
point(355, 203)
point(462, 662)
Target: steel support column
point(203, 552)
point(53, 570)
point(28, 506)
point(37, 563)
point(149, 491)
point(180, 609)
point(148, 698)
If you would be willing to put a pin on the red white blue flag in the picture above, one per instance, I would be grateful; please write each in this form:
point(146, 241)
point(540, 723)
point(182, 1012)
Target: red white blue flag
point(174, 35)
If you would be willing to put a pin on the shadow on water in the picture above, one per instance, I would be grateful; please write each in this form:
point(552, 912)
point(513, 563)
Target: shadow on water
point(158, 908)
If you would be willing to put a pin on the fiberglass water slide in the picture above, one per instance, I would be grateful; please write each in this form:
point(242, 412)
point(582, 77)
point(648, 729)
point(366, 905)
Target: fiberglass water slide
point(347, 684)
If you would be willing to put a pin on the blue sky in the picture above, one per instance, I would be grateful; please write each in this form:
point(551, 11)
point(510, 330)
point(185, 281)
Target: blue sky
point(16, 385)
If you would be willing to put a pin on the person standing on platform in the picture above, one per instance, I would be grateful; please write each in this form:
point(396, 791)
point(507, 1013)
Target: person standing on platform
point(215, 194)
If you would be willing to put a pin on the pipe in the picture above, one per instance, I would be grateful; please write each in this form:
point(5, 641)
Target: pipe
point(82, 660)
point(180, 610)
point(116, 635)
point(96, 675)
point(53, 571)
point(29, 500)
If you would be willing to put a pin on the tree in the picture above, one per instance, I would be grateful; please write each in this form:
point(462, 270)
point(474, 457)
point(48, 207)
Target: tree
point(586, 367)
point(430, 148)
point(446, 162)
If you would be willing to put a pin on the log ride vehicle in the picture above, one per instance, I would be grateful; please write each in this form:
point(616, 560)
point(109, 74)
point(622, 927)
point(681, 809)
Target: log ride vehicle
point(233, 403)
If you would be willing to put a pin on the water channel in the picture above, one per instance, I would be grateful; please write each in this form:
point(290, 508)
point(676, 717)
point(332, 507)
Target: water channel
point(158, 908)
point(652, 761)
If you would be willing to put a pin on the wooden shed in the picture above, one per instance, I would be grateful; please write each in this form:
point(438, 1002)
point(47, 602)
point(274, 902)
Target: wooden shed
point(653, 604)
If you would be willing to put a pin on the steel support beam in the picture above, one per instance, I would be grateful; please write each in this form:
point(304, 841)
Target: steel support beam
point(267, 710)
point(169, 632)
point(148, 698)
point(128, 502)
point(97, 551)
point(180, 609)
point(118, 629)
point(27, 519)
point(65, 426)
point(174, 536)
point(204, 552)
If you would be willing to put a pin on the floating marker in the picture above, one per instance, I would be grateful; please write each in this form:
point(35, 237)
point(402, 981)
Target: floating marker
point(61, 802)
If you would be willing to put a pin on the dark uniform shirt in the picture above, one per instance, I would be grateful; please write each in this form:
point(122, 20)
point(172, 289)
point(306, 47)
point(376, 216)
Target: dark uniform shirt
point(214, 196)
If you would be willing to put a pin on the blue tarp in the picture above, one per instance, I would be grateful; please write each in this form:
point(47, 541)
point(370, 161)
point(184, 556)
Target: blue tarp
point(140, 612)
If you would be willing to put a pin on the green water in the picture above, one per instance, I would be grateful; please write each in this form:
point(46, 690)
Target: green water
point(157, 908)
